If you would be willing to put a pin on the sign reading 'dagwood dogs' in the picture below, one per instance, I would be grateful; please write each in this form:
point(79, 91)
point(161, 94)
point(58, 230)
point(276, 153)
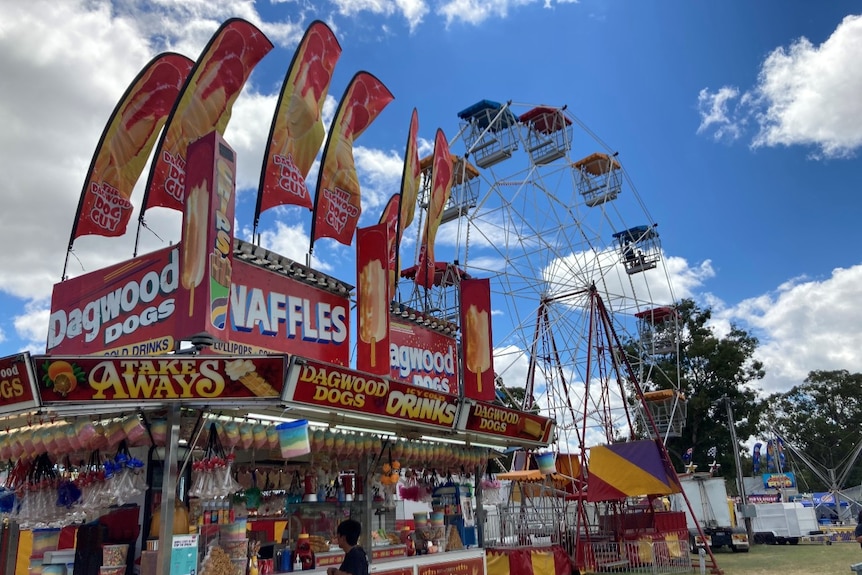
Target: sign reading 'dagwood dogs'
point(337, 388)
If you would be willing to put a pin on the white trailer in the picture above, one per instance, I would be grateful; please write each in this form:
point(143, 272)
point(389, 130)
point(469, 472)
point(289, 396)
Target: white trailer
point(708, 498)
point(782, 523)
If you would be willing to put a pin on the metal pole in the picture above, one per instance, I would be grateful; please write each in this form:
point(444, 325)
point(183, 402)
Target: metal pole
point(740, 480)
point(169, 490)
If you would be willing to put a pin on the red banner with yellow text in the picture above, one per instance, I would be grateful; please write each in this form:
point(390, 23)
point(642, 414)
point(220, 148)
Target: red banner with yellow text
point(476, 339)
point(205, 105)
point(127, 140)
point(140, 379)
point(337, 388)
point(441, 189)
point(466, 566)
point(297, 125)
point(338, 201)
point(207, 247)
point(372, 299)
point(17, 384)
point(520, 426)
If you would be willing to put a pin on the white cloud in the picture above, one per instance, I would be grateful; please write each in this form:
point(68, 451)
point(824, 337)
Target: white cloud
point(806, 325)
point(412, 10)
point(31, 325)
point(477, 11)
point(714, 113)
point(805, 95)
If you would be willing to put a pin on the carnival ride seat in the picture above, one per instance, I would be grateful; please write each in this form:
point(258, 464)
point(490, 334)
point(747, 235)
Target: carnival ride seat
point(668, 408)
point(658, 329)
point(465, 186)
point(599, 178)
point(639, 248)
point(489, 132)
point(549, 133)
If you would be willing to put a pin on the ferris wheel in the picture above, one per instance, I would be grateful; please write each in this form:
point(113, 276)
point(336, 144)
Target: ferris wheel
point(582, 303)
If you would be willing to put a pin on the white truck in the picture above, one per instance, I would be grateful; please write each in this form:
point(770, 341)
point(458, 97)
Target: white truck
point(708, 498)
point(782, 523)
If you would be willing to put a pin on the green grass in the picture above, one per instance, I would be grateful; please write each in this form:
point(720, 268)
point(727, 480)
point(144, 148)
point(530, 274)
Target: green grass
point(816, 559)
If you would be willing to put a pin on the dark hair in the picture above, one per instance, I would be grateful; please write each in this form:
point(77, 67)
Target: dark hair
point(351, 529)
point(859, 518)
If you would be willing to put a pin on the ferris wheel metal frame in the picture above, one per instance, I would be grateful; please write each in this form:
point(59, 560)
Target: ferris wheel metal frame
point(587, 249)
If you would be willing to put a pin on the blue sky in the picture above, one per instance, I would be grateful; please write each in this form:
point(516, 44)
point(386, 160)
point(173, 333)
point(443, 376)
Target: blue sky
point(737, 123)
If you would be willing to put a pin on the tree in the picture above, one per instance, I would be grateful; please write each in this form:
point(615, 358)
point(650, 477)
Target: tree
point(821, 418)
point(710, 367)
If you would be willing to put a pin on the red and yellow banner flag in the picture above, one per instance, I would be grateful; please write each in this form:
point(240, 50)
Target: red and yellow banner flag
point(127, 140)
point(338, 199)
point(476, 339)
point(441, 189)
point(410, 177)
point(372, 299)
point(389, 218)
point(297, 126)
point(204, 105)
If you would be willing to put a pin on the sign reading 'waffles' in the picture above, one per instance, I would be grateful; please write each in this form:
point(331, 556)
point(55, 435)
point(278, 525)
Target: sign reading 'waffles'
point(89, 378)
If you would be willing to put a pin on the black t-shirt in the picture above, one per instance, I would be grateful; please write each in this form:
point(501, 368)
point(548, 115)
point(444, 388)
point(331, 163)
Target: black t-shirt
point(355, 561)
point(858, 531)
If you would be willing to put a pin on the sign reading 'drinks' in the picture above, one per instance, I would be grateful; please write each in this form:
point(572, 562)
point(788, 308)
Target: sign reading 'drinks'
point(17, 390)
point(336, 388)
point(95, 379)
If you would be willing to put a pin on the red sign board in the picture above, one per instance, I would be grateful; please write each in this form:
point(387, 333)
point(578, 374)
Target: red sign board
point(423, 357)
point(17, 384)
point(468, 566)
point(476, 338)
point(139, 379)
point(206, 264)
point(125, 309)
point(504, 422)
point(337, 388)
point(372, 299)
point(131, 309)
point(277, 314)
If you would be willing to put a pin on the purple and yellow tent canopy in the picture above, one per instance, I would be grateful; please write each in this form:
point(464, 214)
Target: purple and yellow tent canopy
point(629, 469)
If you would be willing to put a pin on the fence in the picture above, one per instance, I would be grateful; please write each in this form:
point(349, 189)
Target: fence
point(643, 556)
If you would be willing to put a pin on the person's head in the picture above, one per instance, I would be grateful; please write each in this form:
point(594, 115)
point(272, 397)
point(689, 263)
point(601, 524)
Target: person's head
point(859, 518)
point(350, 529)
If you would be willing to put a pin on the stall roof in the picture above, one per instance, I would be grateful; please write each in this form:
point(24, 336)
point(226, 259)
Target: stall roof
point(597, 164)
point(657, 314)
point(459, 165)
point(483, 111)
point(440, 271)
point(636, 234)
point(546, 119)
